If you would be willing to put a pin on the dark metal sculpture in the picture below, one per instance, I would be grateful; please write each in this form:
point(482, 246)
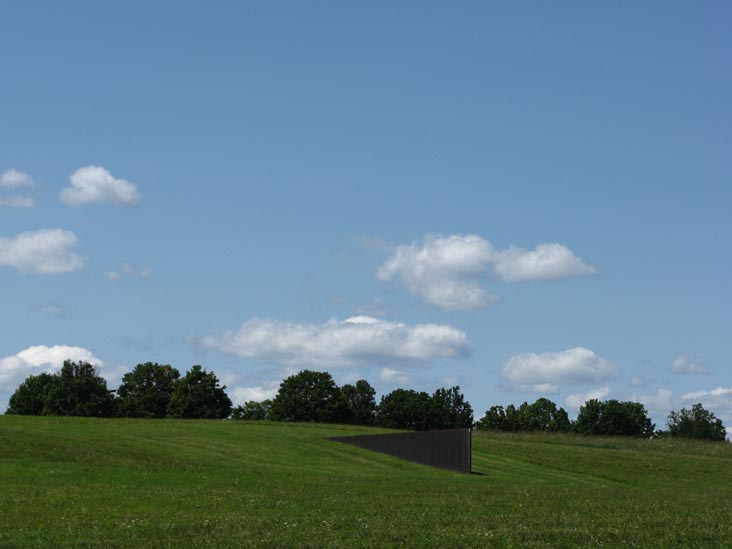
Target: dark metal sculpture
point(449, 449)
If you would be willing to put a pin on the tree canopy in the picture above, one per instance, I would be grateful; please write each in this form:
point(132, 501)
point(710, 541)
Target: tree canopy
point(450, 410)
point(31, 398)
point(197, 395)
point(696, 423)
point(613, 417)
point(310, 396)
point(542, 415)
point(75, 390)
point(361, 401)
point(417, 410)
point(253, 411)
point(405, 409)
point(146, 390)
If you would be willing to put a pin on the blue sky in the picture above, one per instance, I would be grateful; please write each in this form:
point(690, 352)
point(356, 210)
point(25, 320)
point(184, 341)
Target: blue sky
point(523, 199)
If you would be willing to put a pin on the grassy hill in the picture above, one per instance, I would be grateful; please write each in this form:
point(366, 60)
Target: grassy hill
point(86, 482)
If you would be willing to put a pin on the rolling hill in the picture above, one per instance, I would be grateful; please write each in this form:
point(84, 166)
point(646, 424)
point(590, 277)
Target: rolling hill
point(88, 482)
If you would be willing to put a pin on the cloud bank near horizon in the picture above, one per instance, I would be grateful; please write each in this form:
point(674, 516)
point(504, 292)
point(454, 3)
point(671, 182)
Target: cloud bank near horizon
point(547, 370)
point(360, 340)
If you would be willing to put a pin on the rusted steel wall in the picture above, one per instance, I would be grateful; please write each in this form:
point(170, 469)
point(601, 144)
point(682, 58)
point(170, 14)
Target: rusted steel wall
point(449, 449)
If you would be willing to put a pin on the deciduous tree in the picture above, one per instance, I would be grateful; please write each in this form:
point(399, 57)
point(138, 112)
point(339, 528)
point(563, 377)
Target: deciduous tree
point(696, 423)
point(31, 396)
point(450, 410)
point(613, 417)
point(310, 396)
point(405, 409)
point(253, 411)
point(146, 390)
point(361, 400)
point(197, 395)
point(79, 391)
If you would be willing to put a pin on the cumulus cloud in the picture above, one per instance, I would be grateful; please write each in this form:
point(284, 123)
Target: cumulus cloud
point(658, 404)
point(95, 185)
point(242, 395)
point(357, 340)
point(718, 401)
point(12, 180)
point(394, 377)
point(445, 270)
point(46, 251)
point(442, 270)
point(17, 201)
point(682, 364)
point(575, 400)
point(577, 365)
point(128, 270)
point(37, 359)
point(545, 262)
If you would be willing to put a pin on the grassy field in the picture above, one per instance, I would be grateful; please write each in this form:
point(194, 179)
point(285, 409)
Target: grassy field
point(100, 483)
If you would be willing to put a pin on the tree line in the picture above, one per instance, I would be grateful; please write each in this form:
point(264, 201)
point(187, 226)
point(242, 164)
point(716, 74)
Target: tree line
point(153, 390)
point(609, 418)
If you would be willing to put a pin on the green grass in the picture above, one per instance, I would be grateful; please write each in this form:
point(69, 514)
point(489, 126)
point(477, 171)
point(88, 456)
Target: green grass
point(101, 483)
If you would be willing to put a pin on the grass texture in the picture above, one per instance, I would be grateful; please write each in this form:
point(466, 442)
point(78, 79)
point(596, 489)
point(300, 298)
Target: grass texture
point(163, 483)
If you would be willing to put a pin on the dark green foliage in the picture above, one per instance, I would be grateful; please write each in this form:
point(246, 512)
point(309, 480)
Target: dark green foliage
point(493, 420)
point(512, 418)
point(696, 423)
point(79, 391)
point(76, 390)
point(418, 411)
point(197, 395)
point(542, 415)
point(405, 409)
point(613, 417)
point(146, 391)
point(310, 396)
point(450, 410)
point(253, 411)
point(31, 396)
point(361, 400)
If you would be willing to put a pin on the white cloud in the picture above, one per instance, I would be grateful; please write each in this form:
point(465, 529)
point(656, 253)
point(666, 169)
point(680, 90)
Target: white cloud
point(128, 270)
point(658, 404)
point(444, 270)
point(13, 179)
point(682, 364)
point(544, 262)
point(37, 359)
point(94, 184)
point(354, 341)
point(242, 395)
point(718, 401)
point(394, 377)
point(575, 400)
point(577, 365)
point(545, 388)
point(17, 201)
point(45, 251)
